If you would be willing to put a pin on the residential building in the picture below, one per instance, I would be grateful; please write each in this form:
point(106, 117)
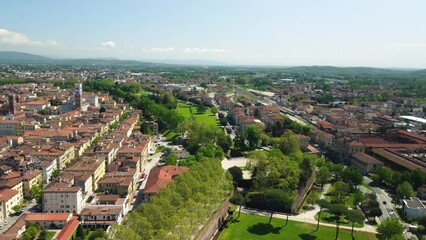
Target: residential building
point(413, 208)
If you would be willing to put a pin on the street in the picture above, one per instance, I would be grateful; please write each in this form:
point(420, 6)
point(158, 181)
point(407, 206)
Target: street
point(30, 208)
point(150, 165)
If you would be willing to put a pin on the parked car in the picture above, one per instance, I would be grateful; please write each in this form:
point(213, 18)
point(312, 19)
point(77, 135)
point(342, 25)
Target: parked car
point(6, 222)
point(1, 227)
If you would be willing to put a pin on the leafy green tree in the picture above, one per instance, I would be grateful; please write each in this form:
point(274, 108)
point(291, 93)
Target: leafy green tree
point(405, 190)
point(358, 197)
point(383, 175)
point(354, 216)
point(273, 169)
point(43, 112)
point(98, 234)
point(80, 232)
point(353, 177)
point(30, 233)
point(289, 143)
point(337, 210)
point(171, 159)
point(322, 203)
point(390, 229)
point(237, 173)
point(340, 190)
point(275, 199)
point(323, 176)
point(17, 208)
point(253, 136)
point(201, 108)
point(214, 110)
point(313, 197)
point(306, 170)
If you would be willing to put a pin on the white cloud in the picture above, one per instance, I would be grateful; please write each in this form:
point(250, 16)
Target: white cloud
point(204, 50)
point(168, 49)
point(14, 38)
point(108, 44)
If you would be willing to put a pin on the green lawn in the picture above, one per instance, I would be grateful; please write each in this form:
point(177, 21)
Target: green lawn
point(327, 217)
point(170, 135)
point(207, 117)
point(50, 235)
point(256, 227)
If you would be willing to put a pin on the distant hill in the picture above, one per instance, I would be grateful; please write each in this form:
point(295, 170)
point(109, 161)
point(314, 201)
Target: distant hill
point(9, 56)
point(420, 72)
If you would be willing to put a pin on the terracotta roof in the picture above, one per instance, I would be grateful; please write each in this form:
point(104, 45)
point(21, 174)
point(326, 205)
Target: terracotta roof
point(38, 102)
point(398, 159)
point(34, 217)
point(413, 135)
point(364, 158)
point(102, 210)
point(161, 176)
point(7, 194)
point(68, 229)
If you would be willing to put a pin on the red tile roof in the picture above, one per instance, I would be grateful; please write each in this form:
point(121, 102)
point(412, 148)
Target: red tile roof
point(34, 217)
point(68, 229)
point(364, 158)
point(161, 176)
point(7, 194)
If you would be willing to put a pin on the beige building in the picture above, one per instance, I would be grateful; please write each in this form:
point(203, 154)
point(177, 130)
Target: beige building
point(8, 199)
point(89, 165)
point(60, 197)
point(30, 179)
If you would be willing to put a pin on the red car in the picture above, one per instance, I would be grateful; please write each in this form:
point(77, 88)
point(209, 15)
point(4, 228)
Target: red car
point(143, 175)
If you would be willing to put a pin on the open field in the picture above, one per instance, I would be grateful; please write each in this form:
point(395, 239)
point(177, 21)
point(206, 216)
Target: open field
point(207, 117)
point(255, 227)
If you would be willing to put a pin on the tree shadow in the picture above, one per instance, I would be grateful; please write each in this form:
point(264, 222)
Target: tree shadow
point(263, 229)
point(305, 236)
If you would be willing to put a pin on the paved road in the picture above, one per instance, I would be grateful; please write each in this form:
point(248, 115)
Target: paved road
point(30, 208)
point(150, 165)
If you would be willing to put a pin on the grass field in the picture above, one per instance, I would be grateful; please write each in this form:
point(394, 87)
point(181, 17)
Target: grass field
point(256, 227)
point(50, 235)
point(207, 117)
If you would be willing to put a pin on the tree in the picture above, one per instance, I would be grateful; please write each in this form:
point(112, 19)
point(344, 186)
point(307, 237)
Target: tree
point(383, 175)
point(337, 210)
point(98, 233)
point(306, 170)
point(323, 204)
point(289, 143)
point(275, 200)
point(253, 136)
point(340, 190)
point(273, 169)
point(353, 177)
point(80, 232)
point(30, 233)
point(355, 216)
point(358, 197)
point(43, 112)
point(313, 197)
point(214, 110)
point(237, 173)
point(323, 176)
point(17, 208)
point(201, 108)
point(171, 159)
point(390, 229)
point(405, 190)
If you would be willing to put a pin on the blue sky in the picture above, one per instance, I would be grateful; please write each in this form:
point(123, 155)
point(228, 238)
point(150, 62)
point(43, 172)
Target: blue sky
point(267, 32)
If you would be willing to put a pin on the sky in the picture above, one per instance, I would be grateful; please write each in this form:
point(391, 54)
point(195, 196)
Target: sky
point(372, 33)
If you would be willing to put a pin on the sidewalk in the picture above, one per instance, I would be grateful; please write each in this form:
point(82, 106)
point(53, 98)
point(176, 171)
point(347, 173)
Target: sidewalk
point(307, 218)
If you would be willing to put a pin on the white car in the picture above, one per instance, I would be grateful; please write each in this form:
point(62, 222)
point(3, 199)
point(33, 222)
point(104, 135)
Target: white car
point(6, 222)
